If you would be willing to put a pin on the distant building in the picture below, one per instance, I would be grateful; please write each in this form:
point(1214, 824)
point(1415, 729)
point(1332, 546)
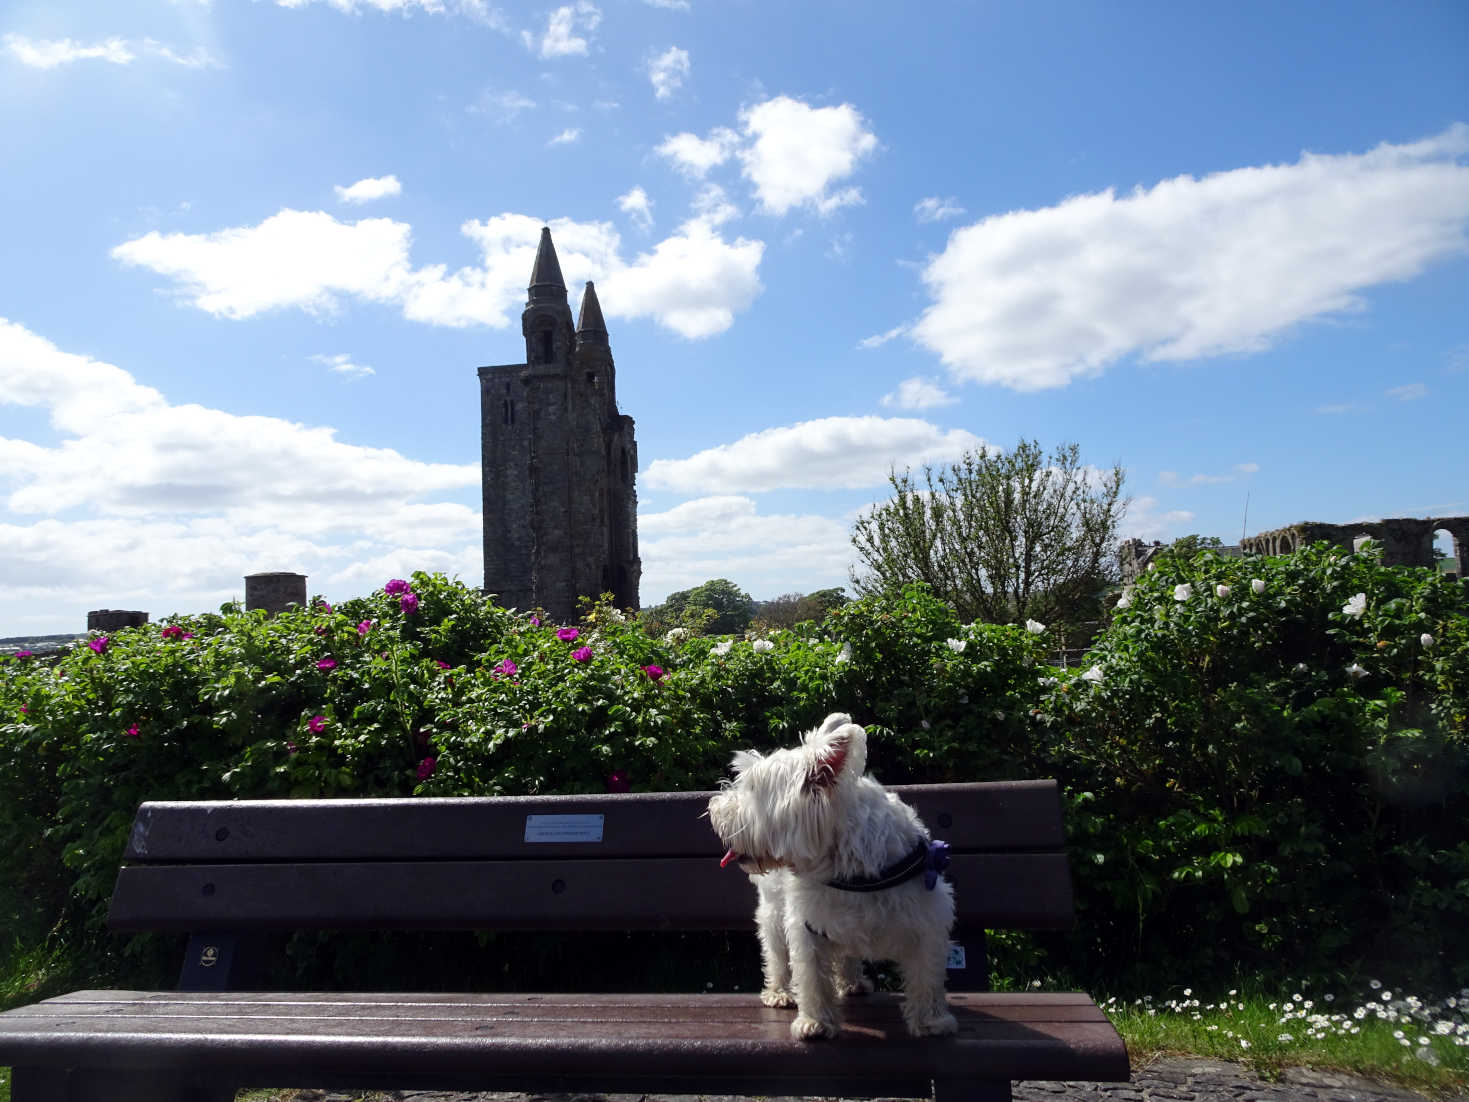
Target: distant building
point(559, 461)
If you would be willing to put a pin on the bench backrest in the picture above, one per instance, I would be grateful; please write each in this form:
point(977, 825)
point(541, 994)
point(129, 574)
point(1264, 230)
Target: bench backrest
point(609, 862)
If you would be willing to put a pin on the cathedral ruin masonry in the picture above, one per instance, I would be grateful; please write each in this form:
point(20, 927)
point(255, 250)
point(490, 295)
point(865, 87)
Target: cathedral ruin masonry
point(559, 461)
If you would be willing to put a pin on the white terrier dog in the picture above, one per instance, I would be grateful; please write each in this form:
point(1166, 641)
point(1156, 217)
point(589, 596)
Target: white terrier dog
point(846, 871)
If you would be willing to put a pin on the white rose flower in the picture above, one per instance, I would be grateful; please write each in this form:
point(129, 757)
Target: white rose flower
point(955, 645)
point(1125, 601)
point(762, 645)
point(1035, 627)
point(1356, 606)
point(845, 654)
point(1183, 592)
point(1356, 671)
point(1094, 675)
point(1221, 591)
point(1257, 584)
point(1426, 639)
point(722, 647)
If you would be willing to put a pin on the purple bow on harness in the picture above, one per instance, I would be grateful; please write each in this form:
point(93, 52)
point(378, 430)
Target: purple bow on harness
point(935, 862)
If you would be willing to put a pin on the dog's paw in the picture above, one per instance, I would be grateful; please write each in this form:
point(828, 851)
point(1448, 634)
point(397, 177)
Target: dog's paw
point(940, 1026)
point(809, 1029)
point(777, 996)
point(852, 988)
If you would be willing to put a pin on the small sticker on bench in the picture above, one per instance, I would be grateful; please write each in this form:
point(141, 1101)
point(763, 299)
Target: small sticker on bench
point(563, 828)
point(956, 956)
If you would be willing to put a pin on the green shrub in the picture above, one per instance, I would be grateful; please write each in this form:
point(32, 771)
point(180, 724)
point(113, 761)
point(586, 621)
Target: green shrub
point(1269, 771)
point(1266, 782)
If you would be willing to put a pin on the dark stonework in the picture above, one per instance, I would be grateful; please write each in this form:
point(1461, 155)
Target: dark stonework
point(274, 592)
point(1406, 541)
point(111, 619)
point(559, 461)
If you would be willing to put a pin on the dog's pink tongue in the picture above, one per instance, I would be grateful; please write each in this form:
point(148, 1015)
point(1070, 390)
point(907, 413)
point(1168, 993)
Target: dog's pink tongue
point(728, 857)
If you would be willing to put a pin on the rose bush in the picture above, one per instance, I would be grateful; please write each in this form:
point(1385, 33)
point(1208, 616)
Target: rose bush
point(1240, 798)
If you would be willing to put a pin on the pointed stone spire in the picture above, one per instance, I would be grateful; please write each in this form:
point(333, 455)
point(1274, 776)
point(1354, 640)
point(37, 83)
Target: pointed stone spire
point(589, 323)
point(546, 284)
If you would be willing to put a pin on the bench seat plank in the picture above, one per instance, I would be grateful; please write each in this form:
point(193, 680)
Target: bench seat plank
point(264, 1038)
point(1006, 815)
point(599, 893)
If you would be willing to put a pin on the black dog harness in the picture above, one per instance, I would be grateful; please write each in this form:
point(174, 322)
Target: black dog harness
point(929, 858)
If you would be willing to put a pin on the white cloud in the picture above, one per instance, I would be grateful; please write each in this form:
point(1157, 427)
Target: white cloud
point(342, 364)
point(637, 206)
point(1408, 392)
point(712, 206)
point(693, 282)
point(40, 53)
point(671, 5)
point(294, 258)
point(504, 107)
point(478, 10)
point(365, 191)
point(797, 152)
point(1145, 522)
point(564, 29)
point(1173, 478)
point(566, 137)
point(918, 394)
point(934, 209)
point(667, 71)
point(830, 453)
point(1191, 267)
point(728, 537)
point(880, 339)
point(146, 504)
point(696, 156)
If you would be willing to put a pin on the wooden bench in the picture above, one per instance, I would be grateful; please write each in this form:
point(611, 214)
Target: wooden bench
point(226, 871)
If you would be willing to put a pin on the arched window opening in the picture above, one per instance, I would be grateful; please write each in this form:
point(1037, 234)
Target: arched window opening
point(547, 349)
point(1444, 558)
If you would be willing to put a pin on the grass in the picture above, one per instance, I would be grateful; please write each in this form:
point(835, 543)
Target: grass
point(1383, 1035)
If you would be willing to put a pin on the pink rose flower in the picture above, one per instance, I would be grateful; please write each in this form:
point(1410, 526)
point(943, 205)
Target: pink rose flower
point(582, 654)
point(654, 672)
point(316, 724)
point(133, 732)
point(327, 664)
point(507, 668)
point(408, 603)
point(100, 644)
point(173, 631)
point(426, 768)
point(567, 635)
point(364, 627)
point(396, 586)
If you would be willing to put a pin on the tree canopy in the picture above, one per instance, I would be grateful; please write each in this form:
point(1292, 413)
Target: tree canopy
point(999, 536)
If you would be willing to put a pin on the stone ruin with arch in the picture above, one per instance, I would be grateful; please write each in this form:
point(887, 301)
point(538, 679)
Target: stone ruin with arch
point(1406, 541)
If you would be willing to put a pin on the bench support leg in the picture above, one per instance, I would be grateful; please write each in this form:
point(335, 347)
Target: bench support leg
point(109, 1085)
point(970, 1090)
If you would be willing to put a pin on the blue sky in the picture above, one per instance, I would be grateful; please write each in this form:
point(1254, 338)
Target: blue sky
point(255, 250)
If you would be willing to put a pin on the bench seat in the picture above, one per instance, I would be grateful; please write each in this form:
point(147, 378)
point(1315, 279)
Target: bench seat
point(606, 1043)
point(235, 874)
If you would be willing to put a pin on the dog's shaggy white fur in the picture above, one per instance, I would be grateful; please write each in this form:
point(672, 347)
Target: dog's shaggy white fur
point(800, 818)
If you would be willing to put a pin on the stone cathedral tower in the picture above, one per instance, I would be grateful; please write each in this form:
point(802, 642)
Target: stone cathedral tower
point(559, 460)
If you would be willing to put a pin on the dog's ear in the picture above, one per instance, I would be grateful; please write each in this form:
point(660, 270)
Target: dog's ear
point(839, 753)
point(743, 759)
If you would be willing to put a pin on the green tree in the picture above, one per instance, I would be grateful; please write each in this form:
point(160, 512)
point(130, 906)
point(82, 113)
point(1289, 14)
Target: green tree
point(733, 608)
point(1000, 536)
point(790, 609)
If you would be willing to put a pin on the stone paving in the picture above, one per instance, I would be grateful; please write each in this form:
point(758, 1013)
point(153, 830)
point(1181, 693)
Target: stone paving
point(1164, 1080)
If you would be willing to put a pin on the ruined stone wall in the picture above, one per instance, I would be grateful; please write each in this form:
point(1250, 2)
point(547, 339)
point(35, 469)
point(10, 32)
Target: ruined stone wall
point(1406, 541)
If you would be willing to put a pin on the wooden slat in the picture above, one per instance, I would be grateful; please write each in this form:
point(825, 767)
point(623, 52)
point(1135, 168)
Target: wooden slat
point(1016, 891)
point(994, 817)
point(697, 1037)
